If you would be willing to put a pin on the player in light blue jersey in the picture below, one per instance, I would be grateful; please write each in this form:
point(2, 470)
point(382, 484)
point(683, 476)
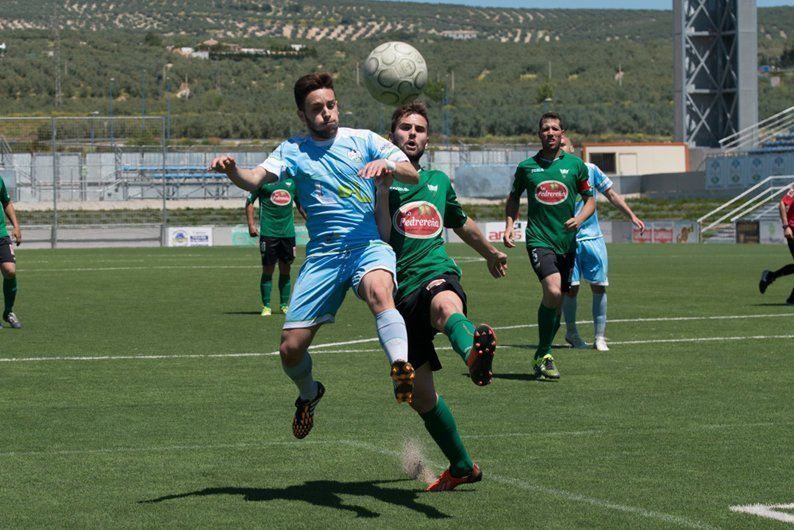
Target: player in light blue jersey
point(591, 260)
point(334, 170)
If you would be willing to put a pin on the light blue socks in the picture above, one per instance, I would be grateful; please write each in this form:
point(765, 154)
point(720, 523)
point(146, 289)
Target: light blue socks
point(600, 313)
point(392, 334)
point(301, 374)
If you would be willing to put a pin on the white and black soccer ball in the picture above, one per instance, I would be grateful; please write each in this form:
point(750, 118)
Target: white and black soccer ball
point(395, 73)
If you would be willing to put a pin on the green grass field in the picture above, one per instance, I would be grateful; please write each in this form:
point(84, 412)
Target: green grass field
point(143, 392)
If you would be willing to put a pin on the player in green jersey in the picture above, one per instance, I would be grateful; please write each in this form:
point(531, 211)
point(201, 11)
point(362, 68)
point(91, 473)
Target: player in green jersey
point(429, 296)
point(276, 237)
point(8, 265)
point(552, 180)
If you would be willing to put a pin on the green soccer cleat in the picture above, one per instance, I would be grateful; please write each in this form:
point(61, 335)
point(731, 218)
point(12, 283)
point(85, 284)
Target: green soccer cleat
point(266, 312)
point(545, 369)
point(284, 308)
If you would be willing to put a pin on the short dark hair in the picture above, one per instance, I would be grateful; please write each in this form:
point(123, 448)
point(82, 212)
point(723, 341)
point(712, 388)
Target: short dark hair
point(415, 107)
point(551, 116)
point(309, 83)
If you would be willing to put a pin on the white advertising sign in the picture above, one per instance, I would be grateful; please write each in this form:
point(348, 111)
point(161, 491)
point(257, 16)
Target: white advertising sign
point(190, 236)
point(495, 231)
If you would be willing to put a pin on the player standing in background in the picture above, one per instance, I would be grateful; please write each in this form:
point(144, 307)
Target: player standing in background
point(276, 238)
point(334, 170)
point(786, 208)
point(552, 179)
point(430, 296)
point(8, 264)
point(591, 259)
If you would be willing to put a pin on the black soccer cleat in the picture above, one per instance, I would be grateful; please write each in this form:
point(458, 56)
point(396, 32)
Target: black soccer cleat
point(402, 375)
point(303, 421)
point(766, 281)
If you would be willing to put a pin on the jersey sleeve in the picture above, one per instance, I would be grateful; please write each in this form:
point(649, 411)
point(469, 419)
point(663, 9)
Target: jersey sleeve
point(4, 198)
point(600, 181)
point(251, 198)
point(276, 163)
point(454, 216)
point(518, 187)
point(583, 181)
point(380, 148)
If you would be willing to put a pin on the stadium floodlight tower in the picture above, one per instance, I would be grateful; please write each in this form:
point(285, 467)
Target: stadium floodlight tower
point(715, 49)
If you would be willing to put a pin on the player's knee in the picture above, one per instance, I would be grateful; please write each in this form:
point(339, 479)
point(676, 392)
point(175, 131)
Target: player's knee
point(573, 291)
point(290, 350)
point(598, 289)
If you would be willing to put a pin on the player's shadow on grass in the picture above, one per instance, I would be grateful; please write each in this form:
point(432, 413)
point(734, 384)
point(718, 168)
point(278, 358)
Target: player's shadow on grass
point(773, 304)
point(324, 493)
point(240, 313)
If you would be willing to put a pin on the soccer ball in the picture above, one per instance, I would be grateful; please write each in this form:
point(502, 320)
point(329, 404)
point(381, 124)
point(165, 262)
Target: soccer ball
point(395, 73)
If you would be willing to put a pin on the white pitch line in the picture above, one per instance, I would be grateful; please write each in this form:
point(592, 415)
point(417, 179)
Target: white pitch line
point(316, 347)
point(662, 319)
point(768, 511)
point(563, 494)
point(315, 352)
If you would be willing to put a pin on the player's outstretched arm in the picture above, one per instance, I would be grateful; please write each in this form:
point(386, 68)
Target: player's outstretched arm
point(472, 236)
point(247, 179)
point(402, 171)
point(619, 202)
point(588, 208)
point(511, 214)
point(16, 233)
point(253, 231)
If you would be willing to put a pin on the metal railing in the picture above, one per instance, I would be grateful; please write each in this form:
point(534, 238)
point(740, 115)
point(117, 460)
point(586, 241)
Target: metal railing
point(756, 134)
point(746, 202)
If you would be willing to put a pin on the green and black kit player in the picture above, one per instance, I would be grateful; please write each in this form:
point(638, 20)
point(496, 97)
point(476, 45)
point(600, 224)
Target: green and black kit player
point(8, 265)
point(276, 233)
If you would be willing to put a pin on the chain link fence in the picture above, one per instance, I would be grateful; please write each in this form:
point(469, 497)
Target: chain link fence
point(116, 181)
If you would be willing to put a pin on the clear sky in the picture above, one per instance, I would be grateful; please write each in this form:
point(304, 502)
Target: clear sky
point(588, 4)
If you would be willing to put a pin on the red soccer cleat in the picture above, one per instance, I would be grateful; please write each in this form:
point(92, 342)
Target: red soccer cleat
point(481, 356)
point(446, 482)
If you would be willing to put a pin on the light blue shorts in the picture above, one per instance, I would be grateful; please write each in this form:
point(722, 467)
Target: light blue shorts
point(591, 262)
point(323, 282)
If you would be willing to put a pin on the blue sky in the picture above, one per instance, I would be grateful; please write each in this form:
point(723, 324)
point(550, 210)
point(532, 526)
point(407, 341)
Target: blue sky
point(588, 4)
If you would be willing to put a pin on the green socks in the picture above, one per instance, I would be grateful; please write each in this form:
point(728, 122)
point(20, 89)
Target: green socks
point(284, 287)
point(265, 287)
point(460, 331)
point(9, 293)
point(440, 423)
point(548, 323)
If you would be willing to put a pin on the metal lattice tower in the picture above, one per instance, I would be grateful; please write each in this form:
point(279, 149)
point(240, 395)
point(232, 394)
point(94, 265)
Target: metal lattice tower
point(715, 49)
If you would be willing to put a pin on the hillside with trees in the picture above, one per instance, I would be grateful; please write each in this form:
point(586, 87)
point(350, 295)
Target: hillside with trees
point(492, 71)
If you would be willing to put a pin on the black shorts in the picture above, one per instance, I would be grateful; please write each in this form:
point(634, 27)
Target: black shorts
point(415, 309)
point(546, 262)
point(790, 247)
point(7, 250)
point(275, 249)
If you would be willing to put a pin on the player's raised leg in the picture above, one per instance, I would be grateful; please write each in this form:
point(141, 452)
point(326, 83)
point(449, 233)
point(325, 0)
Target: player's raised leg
point(376, 287)
point(297, 364)
point(475, 345)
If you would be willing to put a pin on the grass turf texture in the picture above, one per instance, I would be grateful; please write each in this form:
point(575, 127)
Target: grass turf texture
point(657, 434)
